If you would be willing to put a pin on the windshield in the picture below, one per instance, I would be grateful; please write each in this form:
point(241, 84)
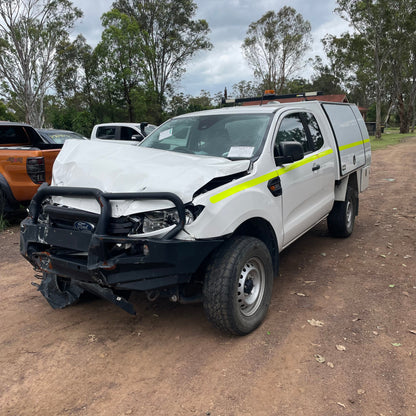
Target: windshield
point(235, 136)
point(59, 137)
point(149, 128)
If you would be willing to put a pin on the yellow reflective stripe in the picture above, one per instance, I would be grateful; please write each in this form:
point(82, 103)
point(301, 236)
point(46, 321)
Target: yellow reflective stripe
point(348, 146)
point(326, 153)
point(264, 178)
point(238, 188)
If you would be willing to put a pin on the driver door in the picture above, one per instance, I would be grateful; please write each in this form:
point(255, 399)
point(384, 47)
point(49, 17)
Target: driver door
point(306, 183)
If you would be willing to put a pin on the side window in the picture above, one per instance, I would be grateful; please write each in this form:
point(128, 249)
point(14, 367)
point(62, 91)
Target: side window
point(106, 132)
point(316, 135)
point(13, 135)
point(291, 129)
point(127, 132)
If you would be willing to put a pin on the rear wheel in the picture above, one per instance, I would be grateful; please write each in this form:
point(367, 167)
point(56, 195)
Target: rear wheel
point(2, 204)
point(342, 216)
point(238, 285)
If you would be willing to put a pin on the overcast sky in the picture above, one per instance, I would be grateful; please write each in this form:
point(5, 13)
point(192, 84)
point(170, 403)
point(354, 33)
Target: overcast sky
point(228, 20)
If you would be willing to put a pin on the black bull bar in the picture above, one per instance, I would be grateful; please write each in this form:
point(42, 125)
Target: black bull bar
point(103, 199)
point(152, 263)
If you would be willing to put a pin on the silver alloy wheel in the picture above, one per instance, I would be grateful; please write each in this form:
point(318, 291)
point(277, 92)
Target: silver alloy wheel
point(251, 285)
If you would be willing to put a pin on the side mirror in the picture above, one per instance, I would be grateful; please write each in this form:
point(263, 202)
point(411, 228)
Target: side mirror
point(289, 152)
point(137, 137)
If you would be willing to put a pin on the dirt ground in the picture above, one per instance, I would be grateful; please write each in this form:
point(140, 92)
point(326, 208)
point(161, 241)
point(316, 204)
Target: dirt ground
point(95, 359)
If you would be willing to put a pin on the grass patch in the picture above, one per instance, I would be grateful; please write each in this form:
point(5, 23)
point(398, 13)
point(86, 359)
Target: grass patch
point(390, 137)
point(12, 219)
point(3, 223)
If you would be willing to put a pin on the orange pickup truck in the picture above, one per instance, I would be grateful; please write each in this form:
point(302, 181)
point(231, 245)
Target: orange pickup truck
point(25, 162)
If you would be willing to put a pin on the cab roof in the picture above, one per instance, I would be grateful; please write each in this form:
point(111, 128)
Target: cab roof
point(269, 108)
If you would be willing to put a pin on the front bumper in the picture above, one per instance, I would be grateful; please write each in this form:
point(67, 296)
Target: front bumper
point(111, 261)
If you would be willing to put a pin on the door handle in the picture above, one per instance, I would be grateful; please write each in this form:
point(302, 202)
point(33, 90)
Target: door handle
point(316, 167)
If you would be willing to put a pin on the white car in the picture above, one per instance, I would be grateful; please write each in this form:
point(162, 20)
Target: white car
point(200, 210)
point(122, 131)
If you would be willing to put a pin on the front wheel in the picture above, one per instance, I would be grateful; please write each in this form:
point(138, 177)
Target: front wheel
point(341, 219)
point(238, 285)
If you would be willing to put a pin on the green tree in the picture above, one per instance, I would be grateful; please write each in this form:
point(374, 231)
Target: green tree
point(246, 89)
point(178, 104)
point(383, 50)
point(181, 103)
point(403, 60)
point(168, 38)
point(74, 106)
point(202, 102)
point(30, 32)
point(371, 20)
point(296, 85)
point(350, 66)
point(324, 79)
point(120, 55)
point(74, 63)
point(275, 45)
point(5, 113)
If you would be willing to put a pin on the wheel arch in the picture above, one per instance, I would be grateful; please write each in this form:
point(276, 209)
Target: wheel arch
point(342, 185)
point(263, 230)
point(10, 202)
point(353, 183)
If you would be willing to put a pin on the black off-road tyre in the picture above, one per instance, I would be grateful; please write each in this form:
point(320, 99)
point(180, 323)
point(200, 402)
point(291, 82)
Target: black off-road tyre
point(238, 285)
point(2, 204)
point(341, 219)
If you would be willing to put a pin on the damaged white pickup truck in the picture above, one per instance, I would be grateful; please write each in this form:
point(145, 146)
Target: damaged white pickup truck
point(200, 210)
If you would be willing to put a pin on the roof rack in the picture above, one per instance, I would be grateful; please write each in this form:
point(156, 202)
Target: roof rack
point(269, 95)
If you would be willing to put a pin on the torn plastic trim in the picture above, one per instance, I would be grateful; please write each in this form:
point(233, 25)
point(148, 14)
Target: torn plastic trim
point(109, 295)
point(219, 181)
point(59, 292)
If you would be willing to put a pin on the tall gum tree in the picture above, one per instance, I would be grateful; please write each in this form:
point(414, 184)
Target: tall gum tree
point(403, 59)
point(30, 32)
point(370, 18)
point(168, 38)
point(120, 55)
point(275, 45)
point(387, 27)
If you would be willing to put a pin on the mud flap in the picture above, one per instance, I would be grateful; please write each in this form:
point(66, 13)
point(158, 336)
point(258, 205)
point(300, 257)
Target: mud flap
point(59, 296)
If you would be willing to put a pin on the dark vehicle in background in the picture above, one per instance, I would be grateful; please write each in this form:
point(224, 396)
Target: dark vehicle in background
point(55, 136)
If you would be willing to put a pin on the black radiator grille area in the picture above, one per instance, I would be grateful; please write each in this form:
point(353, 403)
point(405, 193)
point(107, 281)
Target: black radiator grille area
point(67, 218)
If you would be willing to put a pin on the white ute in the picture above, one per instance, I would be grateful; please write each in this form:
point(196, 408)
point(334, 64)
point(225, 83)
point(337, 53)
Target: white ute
point(200, 210)
point(121, 132)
